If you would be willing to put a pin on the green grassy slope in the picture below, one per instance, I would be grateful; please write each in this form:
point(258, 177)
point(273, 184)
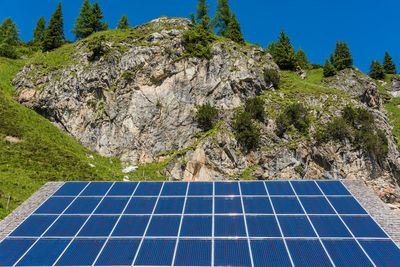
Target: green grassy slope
point(45, 153)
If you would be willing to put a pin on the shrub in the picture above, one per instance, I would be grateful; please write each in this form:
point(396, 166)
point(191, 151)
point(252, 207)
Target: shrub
point(246, 132)
point(97, 49)
point(271, 76)
point(8, 51)
point(206, 116)
point(255, 106)
point(335, 130)
point(296, 115)
point(197, 40)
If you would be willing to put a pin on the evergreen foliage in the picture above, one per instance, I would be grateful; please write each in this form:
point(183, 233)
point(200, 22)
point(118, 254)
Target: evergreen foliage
point(54, 35)
point(123, 23)
point(302, 59)
point(202, 10)
point(271, 76)
point(89, 20)
point(206, 116)
point(222, 18)
point(342, 58)
point(234, 31)
point(376, 70)
point(255, 106)
point(295, 115)
point(246, 132)
point(197, 40)
point(388, 64)
point(95, 19)
point(284, 53)
point(39, 31)
point(329, 70)
point(271, 49)
point(8, 38)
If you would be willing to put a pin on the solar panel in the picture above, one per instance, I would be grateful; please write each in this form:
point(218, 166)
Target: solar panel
point(252, 223)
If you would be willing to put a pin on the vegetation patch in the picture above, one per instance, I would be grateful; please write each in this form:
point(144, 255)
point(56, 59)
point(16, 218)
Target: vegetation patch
point(206, 116)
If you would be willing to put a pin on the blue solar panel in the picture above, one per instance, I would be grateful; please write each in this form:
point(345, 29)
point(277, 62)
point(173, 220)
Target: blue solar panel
point(35, 225)
point(346, 253)
point(164, 226)
point(306, 188)
point(286, 205)
point(201, 189)
point(253, 188)
point(383, 252)
point(260, 205)
point(44, 253)
point(333, 188)
point(296, 226)
point(141, 205)
point(196, 226)
point(66, 226)
point(229, 226)
point(363, 226)
point(228, 205)
point(329, 226)
point(174, 189)
point(227, 188)
point(122, 189)
point(81, 252)
point(270, 253)
point(112, 205)
point(308, 253)
point(54, 205)
point(193, 253)
point(316, 205)
point(98, 226)
point(262, 226)
point(170, 205)
point(71, 189)
point(279, 188)
point(148, 189)
point(198, 205)
point(12, 249)
point(231, 253)
point(118, 252)
point(83, 205)
point(346, 205)
point(97, 189)
point(131, 225)
point(156, 252)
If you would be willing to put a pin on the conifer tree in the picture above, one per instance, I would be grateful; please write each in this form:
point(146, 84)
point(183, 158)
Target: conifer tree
point(285, 55)
point(329, 70)
point(302, 59)
point(54, 35)
point(81, 27)
point(341, 59)
point(376, 70)
point(197, 41)
point(271, 49)
point(9, 32)
point(234, 31)
point(388, 64)
point(39, 31)
point(222, 18)
point(202, 10)
point(123, 24)
point(95, 19)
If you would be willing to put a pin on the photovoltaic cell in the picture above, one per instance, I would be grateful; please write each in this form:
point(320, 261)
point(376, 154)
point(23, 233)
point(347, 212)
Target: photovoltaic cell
point(253, 188)
point(83, 205)
point(346, 205)
point(164, 226)
point(201, 189)
point(71, 189)
point(198, 205)
point(112, 205)
point(262, 226)
point(228, 205)
point(118, 252)
point(279, 188)
point(131, 225)
point(346, 253)
point(66, 226)
point(193, 253)
point(286, 205)
point(197, 226)
point(382, 252)
point(98, 226)
point(174, 189)
point(81, 252)
point(226, 188)
point(229, 226)
point(296, 226)
point(231, 253)
point(44, 253)
point(333, 188)
point(12, 249)
point(169, 205)
point(34, 226)
point(329, 226)
point(270, 253)
point(363, 226)
point(156, 252)
point(97, 189)
point(307, 253)
point(122, 189)
point(257, 205)
point(306, 188)
point(316, 205)
point(148, 189)
point(141, 205)
point(54, 205)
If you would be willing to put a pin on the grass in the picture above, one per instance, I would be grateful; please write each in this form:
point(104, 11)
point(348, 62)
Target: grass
point(394, 116)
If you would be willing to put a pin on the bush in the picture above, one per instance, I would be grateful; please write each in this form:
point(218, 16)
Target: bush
point(255, 106)
point(197, 40)
point(97, 49)
point(358, 118)
point(296, 115)
point(335, 130)
point(246, 132)
point(271, 76)
point(206, 116)
point(8, 51)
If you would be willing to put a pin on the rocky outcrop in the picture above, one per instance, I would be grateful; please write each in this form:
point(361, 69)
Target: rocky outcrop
point(394, 87)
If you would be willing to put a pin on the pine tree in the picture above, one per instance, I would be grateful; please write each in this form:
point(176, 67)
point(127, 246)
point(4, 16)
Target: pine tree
point(197, 41)
point(81, 27)
point(54, 35)
point(9, 32)
point(376, 70)
point(329, 70)
point(234, 31)
point(302, 59)
point(95, 19)
point(271, 49)
point(202, 10)
point(341, 59)
point(222, 18)
point(123, 24)
point(285, 55)
point(388, 64)
point(39, 31)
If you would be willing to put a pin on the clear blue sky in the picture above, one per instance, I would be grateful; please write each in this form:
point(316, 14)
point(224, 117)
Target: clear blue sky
point(369, 27)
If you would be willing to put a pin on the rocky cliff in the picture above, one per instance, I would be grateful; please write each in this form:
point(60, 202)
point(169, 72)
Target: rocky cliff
point(133, 94)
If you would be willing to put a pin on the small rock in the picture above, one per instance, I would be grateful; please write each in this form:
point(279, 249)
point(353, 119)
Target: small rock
point(126, 179)
point(90, 156)
point(130, 169)
point(91, 165)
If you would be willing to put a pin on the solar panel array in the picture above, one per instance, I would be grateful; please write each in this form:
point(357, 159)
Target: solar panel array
point(272, 223)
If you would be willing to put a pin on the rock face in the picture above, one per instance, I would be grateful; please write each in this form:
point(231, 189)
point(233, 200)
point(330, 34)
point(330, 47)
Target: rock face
point(138, 102)
point(394, 88)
